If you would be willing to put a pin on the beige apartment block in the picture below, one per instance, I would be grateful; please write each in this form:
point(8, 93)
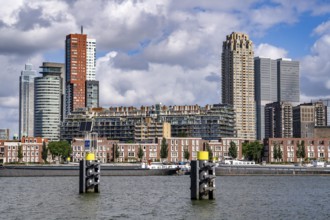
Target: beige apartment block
point(238, 82)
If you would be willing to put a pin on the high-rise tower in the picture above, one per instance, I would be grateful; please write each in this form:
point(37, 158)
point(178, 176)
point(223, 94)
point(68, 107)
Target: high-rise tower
point(26, 101)
point(80, 61)
point(48, 96)
point(275, 81)
point(75, 61)
point(238, 82)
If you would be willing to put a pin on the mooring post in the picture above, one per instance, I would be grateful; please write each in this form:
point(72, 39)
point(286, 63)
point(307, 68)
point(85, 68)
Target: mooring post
point(202, 177)
point(89, 174)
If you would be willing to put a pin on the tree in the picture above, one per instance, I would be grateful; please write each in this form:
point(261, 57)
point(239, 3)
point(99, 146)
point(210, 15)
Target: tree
point(20, 153)
point(116, 152)
point(140, 153)
point(186, 154)
point(164, 149)
point(253, 151)
point(208, 148)
point(275, 153)
point(279, 153)
point(232, 151)
point(61, 149)
point(44, 153)
point(300, 152)
point(245, 149)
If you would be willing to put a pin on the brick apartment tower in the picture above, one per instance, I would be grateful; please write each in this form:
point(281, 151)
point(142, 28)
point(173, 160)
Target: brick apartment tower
point(75, 60)
point(238, 82)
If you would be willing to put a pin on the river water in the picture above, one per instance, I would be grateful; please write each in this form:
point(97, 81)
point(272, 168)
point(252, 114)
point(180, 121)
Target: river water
point(166, 197)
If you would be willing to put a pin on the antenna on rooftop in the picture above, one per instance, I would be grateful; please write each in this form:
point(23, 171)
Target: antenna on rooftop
point(82, 29)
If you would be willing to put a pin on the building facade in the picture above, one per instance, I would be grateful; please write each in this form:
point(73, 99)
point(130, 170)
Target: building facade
point(47, 110)
point(278, 120)
point(31, 150)
point(326, 103)
point(238, 82)
point(62, 67)
point(265, 70)
point(4, 134)
point(211, 122)
point(90, 59)
point(275, 81)
point(92, 94)
point(26, 101)
point(128, 152)
point(306, 117)
point(75, 68)
point(315, 149)
point(288, 81)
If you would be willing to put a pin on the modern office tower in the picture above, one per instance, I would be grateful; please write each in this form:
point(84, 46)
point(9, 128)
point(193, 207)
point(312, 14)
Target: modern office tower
point(306, 117)
point(288, 81)
point(62, 66)
point(26, 101)
point(278, 120)
point(75, 61)
point(275, 80)
point(92, 93)
point(4, 134)
point(265, 79)
point(91, 59)
point(238, 82)
point(47, 102)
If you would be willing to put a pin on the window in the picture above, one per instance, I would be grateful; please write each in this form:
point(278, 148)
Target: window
point(174, 154)
point(131, 154)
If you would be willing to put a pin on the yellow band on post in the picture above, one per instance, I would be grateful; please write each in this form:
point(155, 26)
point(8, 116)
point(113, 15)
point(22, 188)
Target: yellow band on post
point(202, 155)
point(90, 156)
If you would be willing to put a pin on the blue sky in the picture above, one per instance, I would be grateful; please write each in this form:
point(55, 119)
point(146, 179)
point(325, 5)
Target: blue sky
point(164, 51)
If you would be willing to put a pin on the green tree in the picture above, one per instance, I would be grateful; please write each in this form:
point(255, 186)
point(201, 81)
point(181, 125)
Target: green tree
point(116, 152)
point(140, 153)
point(276, 152)
point(232, 151)
point(186, 154)
point(300, 152)
point(253, 151)
point(61, 149)
point(208, 148)
point(182, 134)
point(279, 153)
point(164, 149)
point(245, 149)
point(20, 153)
point(44, 153)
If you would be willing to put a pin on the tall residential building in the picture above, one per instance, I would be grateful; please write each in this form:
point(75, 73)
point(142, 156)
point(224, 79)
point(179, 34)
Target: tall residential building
point(306, 117)
point(48, 93)
point(278, 120)
point(75, 69)
point(288, 81)
point(91, 59)
point(92, 93)
point(238, 82)
point(80, 59)
point(326, 103)
point(275, 80)
point(26, 101)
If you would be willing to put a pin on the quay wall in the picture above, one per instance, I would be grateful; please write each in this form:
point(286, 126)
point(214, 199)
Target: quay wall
point(26, 171)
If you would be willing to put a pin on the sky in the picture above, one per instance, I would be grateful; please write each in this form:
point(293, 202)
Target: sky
point(161, 51)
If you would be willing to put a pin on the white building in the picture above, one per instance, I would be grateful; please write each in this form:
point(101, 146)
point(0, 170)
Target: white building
point(90, 59)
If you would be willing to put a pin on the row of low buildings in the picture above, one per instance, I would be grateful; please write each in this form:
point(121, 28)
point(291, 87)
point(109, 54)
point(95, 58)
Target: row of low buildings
point(315, 149)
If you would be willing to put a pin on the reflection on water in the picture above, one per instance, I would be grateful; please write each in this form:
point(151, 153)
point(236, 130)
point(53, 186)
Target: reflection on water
point(166, 197)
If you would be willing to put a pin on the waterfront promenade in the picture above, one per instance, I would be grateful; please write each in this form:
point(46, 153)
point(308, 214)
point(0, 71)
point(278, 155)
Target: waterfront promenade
point(136, 170)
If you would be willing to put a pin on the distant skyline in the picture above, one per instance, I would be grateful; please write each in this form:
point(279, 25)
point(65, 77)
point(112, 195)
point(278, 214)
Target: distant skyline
point(164, 50)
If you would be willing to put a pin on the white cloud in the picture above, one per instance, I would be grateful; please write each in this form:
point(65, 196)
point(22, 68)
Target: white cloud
point(270, 51)
point(160, 83)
